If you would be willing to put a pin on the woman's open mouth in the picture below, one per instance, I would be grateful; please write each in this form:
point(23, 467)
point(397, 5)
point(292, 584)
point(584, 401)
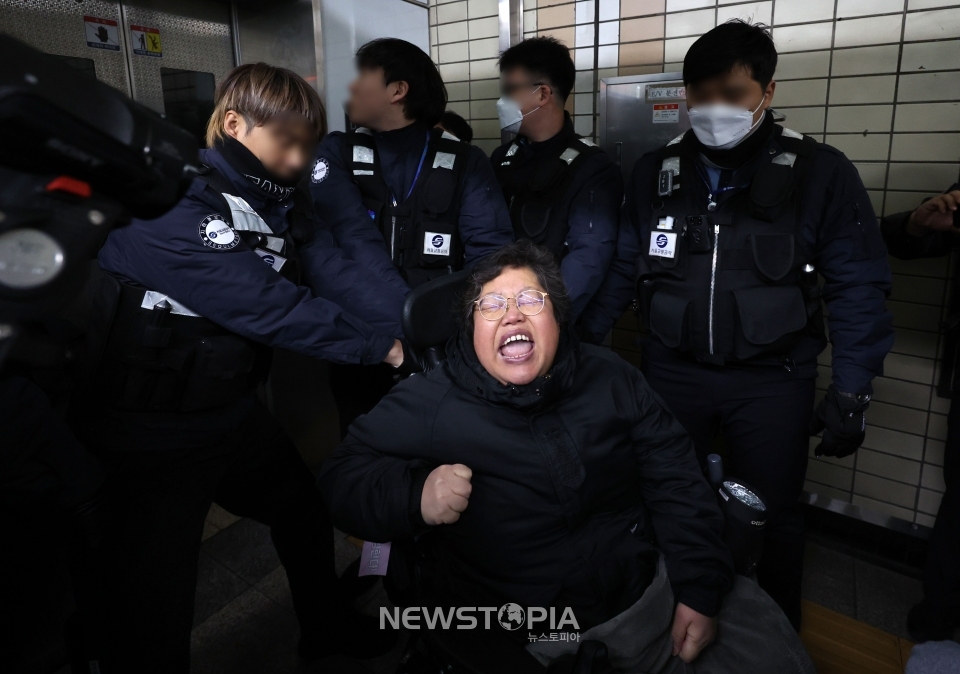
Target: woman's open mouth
point(516, 346)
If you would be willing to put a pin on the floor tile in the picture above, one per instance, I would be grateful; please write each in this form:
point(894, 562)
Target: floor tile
point(217, 586)
point(884, 597)
point(246, 549)
point(829, 579)
point(220, 518)
point(276, 586)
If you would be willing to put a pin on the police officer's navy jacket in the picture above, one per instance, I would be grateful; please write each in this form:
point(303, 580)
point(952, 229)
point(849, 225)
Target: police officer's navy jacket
point(564, 193)
point(194, 256)
point(574, 476)
point(728, 258)
point(404, 161)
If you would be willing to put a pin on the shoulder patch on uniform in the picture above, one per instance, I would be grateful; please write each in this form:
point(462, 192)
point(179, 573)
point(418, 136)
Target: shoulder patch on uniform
point(790, 133)
point(216, 233)
point(676, 140)
point(588, 142)
point(320, 170)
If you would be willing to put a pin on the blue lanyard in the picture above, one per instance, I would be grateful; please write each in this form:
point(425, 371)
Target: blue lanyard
point(712, 194)
point(416, 175)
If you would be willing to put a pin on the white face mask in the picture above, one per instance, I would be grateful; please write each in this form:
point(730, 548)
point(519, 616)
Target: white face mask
point(508, 110)
point(722, 126)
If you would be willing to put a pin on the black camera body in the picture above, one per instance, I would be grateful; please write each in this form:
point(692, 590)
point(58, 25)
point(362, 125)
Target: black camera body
point(77, 158)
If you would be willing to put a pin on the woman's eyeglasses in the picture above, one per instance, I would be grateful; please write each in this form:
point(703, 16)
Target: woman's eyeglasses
point(529, 303)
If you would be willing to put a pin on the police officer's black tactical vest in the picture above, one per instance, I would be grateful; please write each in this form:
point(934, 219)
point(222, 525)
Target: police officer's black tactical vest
point(161, 356)
point(422, 232)
point(729, 280)
point(537, 194)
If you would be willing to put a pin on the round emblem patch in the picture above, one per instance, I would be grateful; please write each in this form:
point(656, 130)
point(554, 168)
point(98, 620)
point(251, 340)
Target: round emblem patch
point(320, 170)
point(216, 233)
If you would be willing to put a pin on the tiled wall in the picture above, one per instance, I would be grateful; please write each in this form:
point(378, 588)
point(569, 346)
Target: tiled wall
point(879, 79)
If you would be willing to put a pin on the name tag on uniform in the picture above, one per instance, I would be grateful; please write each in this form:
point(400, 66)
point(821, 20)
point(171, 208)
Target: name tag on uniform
point(663, 244)
point(274, 260)
point(435, 243)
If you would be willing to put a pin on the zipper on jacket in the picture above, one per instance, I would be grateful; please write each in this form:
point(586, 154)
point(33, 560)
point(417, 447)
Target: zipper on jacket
point(713, 280)
point(393, 237)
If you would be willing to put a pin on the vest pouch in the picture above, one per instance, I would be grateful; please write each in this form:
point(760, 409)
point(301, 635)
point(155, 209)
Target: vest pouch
point(773, 254)
point(770, 318)
point(667, 319)
point(221, 373)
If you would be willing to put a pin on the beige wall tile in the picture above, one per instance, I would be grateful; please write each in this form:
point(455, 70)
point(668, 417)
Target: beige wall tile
point(690, 23)
point(912, 368)
point(829, 473)
point(888, 466)
point(452, 32)
point(919, 289)
point(486, 48)
point(486, 128)
point(754, 12)
point(934, 451)
point(860, 118)
point(682, 5)
point(462, 108)
point(641, 53)
point(932, 477)
point(800, 93)
point(865, 60)
point(454, 72)
point(922, 177)
point(903, 393)
point(929, 501)
point(871, 89)
point(804, 120)
point(937, 427)
point(802, 11)
point(565, 35)
point(887, 491)
point(926, 147)
point(872, 505)
point(803, 65)
point(453, 11)
point(457, 51)
point(478, 8)
point(873, 175)
point(458, 91)
point(553, 17)
point(925, 520)
point(935, 25)
point(852, 8)
point(486, 109)
point(928, 4)
point(648, 28)
point(928, 117)
point(484, 70)
point(871, 30)
point(675, 50)
point(485, 89)
point(641, 7)
point(897, 418)
point(490, 26)
point(931, 56)
point(803, 37)
point(929, 87)
point(907, 445)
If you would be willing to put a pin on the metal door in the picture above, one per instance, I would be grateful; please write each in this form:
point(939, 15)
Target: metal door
point(640, 113)
point(133, 46)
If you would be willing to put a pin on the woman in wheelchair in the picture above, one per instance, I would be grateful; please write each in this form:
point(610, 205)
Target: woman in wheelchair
point(537, 471)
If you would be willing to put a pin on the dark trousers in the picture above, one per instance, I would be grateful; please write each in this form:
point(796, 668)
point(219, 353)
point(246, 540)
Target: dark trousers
point(763, 416)
point(357, 389)
point(941, 577)
point(160, 498)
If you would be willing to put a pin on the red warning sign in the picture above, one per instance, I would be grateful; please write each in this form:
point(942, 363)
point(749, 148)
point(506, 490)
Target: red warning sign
point(101, 33)
point(666, 113)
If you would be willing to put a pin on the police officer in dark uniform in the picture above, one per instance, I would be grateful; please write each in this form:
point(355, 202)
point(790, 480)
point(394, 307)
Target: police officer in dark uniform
point(238, 266)
point(397, 182)
point(932, 231)
point(563, 191)
point(736, 219)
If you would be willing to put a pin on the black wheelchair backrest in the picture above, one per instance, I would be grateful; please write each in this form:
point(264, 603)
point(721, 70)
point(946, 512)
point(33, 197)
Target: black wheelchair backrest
point(430, 315)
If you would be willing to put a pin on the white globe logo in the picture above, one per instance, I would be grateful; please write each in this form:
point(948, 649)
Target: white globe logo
point(511, 617)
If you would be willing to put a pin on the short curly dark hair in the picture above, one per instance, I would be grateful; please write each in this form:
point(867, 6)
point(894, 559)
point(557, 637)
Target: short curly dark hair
point(523, 254)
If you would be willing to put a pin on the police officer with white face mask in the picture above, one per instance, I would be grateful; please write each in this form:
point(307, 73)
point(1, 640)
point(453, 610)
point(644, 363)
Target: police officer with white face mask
point(745, 228)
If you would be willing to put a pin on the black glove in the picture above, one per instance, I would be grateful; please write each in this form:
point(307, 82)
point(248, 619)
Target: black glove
point(412, 363)
point(840, 417)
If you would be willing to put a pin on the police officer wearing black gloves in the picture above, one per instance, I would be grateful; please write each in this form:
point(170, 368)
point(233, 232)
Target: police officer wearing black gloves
point(397, 182)
point(564, 193)
point(201, 293)
point(737, 219)
point(932, 231)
